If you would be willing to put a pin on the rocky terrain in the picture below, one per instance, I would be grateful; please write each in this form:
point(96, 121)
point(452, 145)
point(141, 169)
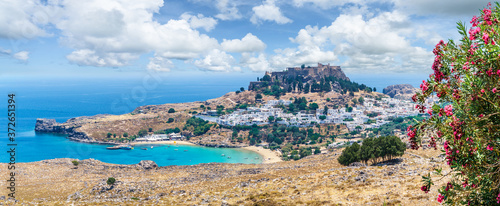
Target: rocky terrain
point(400, 91)
point(315, 180)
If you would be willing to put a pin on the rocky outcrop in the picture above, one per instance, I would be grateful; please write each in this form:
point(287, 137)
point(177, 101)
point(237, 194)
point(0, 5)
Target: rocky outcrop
point(51, 126)
point(400, 91)
point(147, 164)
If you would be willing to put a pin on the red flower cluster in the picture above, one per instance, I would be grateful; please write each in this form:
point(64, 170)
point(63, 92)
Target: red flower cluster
point(412, 133)
point(440, 198)
point(436, 66)
point(425, 189)
point(448, 186)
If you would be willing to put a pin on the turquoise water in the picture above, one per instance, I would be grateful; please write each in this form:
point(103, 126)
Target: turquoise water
point(62, 99)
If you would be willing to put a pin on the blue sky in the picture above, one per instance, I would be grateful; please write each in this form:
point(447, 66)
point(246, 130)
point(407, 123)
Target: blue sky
point(73, 38)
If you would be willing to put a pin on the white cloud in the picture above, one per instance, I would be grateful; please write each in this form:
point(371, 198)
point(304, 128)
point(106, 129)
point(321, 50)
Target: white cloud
point(111, 33)
point(22, 55)
point(160, 64)
point(256, 64)
point(218, 61)
point(268, 11)
point(228, 10)
point(85, 57)
point(200, 21)
point(18, 21)
point(249, 43)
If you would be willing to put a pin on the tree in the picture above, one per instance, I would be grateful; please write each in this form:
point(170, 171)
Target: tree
point(374, 89)
point(125, 134)
point(361, 100)
point(349, 155)
point(466, 80)
point(111, 181)
point(75, 162)
point(171, 110)
point(266, 78)
point(150, 129)
point(258, 96)
point(242, 89)
point(177, 130)
point(322, 117)
point(303, 66)
point(325, 110)
point(306, 88)
point(142, 133)
point(170, 120)
point(313, 106)
point(270, 118)
point(109, 135)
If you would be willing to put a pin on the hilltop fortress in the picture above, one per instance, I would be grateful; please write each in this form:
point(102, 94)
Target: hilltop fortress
point(306, 74)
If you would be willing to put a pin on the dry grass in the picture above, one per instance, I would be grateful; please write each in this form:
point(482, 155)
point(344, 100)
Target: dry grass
point(315, 180)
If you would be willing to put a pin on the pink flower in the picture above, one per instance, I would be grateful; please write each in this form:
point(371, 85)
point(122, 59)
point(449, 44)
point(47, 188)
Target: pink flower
point(482, 90)
point(498, 198)
point(448, 110)
point(424, 86)
point(494, 90)
point(440, 198)
point(429, 112)
point(498, 72)
point(473, 32)
point(481, 115)
point(486, 38)
point(489, 148)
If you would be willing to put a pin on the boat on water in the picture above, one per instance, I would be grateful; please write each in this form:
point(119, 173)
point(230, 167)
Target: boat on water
point(176, 149)
point(151, 147)
point(126, 147)
point(229, 157)
point(113, 148)
point(144, 148)
point(122, 146)
point(185, 150)
point(223, 155)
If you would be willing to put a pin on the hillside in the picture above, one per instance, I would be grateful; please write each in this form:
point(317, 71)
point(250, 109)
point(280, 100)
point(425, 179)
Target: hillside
point(315, 180)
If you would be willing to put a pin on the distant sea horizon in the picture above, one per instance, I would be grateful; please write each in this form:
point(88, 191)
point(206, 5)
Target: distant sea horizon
point(62, 99)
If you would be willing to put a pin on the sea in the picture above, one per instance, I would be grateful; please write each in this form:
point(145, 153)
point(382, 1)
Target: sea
point(68, 97)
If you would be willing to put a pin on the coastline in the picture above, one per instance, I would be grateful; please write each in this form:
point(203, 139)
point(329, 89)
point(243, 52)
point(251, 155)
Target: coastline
point(170, 142)
point(268, 156)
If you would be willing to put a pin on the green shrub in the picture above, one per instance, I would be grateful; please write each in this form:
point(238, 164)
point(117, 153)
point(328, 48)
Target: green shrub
point(171, 110)
point(111, 181)
point(75, 162)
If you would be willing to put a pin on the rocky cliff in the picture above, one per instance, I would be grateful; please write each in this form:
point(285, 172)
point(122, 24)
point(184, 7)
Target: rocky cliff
point(400, 91)
point(51, 126)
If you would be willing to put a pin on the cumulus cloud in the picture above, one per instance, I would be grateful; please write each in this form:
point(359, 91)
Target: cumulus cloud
point(256, 63)
point(249, 43)
point(228, 10)
point(111, 33)
point(20, 19)
point(268, 11)
point(161, 64)
point(200, 21)
point(22, 55)
point(109, 59)
point(218, 61)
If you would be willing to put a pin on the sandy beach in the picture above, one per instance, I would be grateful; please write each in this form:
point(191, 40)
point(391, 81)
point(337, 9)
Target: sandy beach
point(268, 155)
point(164, 142)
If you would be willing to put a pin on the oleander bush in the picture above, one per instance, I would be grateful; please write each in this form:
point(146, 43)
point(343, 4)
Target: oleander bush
point(466, 119)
